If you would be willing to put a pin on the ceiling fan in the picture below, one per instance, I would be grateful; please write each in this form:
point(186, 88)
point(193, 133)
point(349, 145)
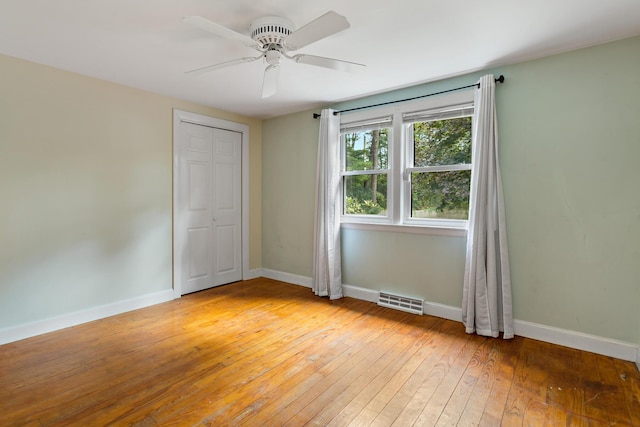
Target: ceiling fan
point(274, 37)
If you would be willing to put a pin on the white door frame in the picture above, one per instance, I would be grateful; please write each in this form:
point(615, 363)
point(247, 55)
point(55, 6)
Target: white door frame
point(180, 116)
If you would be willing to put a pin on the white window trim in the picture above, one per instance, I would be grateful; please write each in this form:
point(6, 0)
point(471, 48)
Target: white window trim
point(406, 228)
point(365, 172)
point(439, 168)
point(397, 181)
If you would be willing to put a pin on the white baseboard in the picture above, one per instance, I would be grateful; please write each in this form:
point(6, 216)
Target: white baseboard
point(357, 292)
point(32, 329)
point(444, 311)
point(254, 274)
point(578, 340)
point(287, 277)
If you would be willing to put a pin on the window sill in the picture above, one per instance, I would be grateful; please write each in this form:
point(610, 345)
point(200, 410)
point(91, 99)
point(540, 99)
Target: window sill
point(411, 229)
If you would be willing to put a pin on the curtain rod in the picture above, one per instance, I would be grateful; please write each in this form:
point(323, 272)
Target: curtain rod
point(498, 80)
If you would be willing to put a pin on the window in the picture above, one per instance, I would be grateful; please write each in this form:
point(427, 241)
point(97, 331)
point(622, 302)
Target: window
point(365, 158)
point(410, 165)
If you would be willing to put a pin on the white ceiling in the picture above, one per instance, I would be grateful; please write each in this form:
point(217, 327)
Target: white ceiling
point(145, 44)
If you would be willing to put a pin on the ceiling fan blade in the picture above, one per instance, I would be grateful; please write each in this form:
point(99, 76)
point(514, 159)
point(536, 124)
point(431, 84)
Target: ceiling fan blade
point(324, 26)
point(212, 27)
point(270, 82)
point(208, 68)
point(334, 64)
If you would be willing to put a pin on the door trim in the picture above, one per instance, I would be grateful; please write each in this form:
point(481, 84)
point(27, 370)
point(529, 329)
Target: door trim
point(180, 116)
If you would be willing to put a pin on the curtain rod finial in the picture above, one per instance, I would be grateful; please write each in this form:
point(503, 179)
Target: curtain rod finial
point(500, 79)
point(316, 115)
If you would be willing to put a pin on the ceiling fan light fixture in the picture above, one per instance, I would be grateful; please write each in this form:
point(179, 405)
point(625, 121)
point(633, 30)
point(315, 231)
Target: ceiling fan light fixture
point(273, 57)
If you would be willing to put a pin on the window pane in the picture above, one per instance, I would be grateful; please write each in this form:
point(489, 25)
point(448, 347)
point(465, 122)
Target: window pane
point(442, 142)
point(365, 194)
point(366, 150)
point(440, 194)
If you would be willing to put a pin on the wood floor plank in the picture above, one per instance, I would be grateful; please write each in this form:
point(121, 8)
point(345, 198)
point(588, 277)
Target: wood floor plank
point(528, 390)
point(565, 387)
point(462, 394)
point(483, 367)
point(297, 391)
point(318, 397)
point(263, 352)
point(362, 392)
point(629, 387)
point(390, 388)
point(445, 338)
point(444, 393)
point(208, 394)
point(599, 391)
point(510, 351)
point(303, 363)
point(414, 408)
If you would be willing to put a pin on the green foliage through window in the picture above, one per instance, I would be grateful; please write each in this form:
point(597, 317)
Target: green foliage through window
point(442, 142)
point(442, 194)
point(366, 194)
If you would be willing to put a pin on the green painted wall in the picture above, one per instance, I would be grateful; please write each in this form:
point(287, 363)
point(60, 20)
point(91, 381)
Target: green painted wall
point(410, 264)
point(569, 133)
point(288, 187)
point(570, 139)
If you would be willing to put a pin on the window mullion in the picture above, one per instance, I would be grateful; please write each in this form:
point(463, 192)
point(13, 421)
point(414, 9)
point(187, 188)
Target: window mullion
point(407, 143)
point(440, 168)
point(397, 162)
point(365, 172)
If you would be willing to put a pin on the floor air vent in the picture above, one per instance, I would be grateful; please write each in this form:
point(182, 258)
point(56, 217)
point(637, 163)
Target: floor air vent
point(411, 305)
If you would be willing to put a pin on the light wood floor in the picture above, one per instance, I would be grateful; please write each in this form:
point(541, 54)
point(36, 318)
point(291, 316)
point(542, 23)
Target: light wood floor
point(265, 353)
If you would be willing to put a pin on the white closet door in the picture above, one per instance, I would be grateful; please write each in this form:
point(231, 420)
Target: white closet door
point(209, 211)
point(227, 206)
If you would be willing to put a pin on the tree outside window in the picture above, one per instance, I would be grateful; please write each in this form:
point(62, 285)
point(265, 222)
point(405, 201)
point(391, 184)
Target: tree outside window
point(367, 160)
point(436, 190)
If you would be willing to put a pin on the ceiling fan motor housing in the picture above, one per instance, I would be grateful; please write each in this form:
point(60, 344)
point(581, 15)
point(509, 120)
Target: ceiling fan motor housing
point(270, 30)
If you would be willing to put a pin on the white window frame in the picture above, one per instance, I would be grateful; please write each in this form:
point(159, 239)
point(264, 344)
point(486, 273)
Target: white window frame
point(378, 219)
point(398, 217)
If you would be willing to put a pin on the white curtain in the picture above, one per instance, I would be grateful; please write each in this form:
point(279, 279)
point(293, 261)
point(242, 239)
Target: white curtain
point(327, 269)
point(486, 297)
